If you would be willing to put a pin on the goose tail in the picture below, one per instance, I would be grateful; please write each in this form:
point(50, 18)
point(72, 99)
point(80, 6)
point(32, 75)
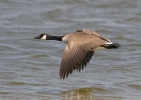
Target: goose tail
point(112, 46)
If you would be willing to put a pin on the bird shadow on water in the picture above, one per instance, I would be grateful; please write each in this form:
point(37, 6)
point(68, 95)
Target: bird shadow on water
point(88, 93)
point(78, 94)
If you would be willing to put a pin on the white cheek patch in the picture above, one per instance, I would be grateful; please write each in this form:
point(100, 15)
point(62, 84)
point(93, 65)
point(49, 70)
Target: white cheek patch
point(44, 37)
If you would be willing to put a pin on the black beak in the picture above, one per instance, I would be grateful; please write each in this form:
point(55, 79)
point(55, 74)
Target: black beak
point(38, 37)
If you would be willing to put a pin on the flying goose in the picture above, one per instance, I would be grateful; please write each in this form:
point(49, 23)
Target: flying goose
point(80, 48)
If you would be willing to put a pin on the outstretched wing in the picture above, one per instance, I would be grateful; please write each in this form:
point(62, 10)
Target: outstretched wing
point(78, 52)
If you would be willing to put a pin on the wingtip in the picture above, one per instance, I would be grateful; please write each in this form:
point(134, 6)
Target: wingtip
point(63, 75)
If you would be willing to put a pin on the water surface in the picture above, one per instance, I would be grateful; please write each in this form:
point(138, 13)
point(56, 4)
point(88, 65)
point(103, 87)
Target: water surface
point(29, 68)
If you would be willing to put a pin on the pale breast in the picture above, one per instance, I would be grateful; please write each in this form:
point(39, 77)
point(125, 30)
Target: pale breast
point(66, 38)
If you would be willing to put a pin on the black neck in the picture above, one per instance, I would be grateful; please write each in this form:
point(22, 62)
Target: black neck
point(58, 38)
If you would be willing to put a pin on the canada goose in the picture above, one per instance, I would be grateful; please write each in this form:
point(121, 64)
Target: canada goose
point(80, 48)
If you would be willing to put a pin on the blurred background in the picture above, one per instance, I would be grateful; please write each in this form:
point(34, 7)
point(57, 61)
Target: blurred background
point(29, 69)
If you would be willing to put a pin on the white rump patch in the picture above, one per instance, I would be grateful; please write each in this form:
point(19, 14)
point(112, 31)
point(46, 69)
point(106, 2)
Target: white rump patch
point(109, 42)
point(102, 48)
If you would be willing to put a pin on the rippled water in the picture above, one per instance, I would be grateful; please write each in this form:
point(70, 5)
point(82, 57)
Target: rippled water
point(29, 68)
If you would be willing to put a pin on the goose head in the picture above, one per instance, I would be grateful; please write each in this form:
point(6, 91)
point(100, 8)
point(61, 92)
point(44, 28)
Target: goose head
point(42, 36)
